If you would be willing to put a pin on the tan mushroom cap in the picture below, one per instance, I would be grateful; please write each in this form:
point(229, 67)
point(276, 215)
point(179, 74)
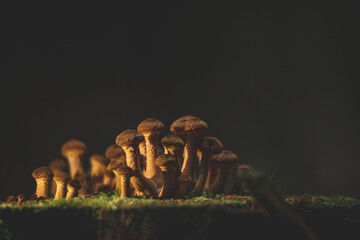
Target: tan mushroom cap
point(225, 156)
point(129, 138)
point(211, 144)
point(42, 172)
point(115, 165)
point(75, 184)
point(58, 165)
point(151, 125)
point(164, 160)
point(172, 141)
point(97, 158)
point(61, 176)
point(73, 147)
point(185, 178)
point(195, 124)
point(114, 151)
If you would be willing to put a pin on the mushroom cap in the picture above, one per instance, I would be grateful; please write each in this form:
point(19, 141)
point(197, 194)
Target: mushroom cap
point(114, 151)
point(97, 158)
point(184, 178)
point(225, 156)
point(211, 144)
point(172, 141)
point(129, 138)
point(42, 172)
point(151, 125)
point(165, 160)
point(195, 124)
point(124, 170)
point(10, 199)
point(73, 147)
point(75, 184)
point(58, 165)
point(61, 176)
point(115, 165)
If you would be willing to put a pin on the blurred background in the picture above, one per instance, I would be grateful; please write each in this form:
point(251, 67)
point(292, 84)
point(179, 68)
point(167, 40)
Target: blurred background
point(276, 81)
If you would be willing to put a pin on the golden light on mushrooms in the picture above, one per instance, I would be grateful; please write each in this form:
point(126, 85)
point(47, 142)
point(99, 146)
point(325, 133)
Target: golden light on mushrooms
point(43, 177)
point(61, 179)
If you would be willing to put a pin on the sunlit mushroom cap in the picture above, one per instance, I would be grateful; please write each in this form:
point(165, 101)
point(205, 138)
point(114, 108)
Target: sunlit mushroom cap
point(96, 158)
point(172, 141)
point(129, 138)
point(75, 184)
point(73, 148)
point(164, 160)
point(185, 178)
point(225, 156)
point(211, 144)
point(42, 172)
point(114, 151)
point(151, 125)
point(61, 176)
point(58, 165)
point(115, 165)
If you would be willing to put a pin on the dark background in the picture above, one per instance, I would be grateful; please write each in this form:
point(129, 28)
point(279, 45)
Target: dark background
point(276, 81)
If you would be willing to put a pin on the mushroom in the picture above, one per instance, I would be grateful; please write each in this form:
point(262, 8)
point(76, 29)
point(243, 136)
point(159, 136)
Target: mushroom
point(120, 169)
point(43, 177)
point(208, 147)
point(58, 165)
point(73, 187)
point(223, 161)
point(33, 197)
point(151, 128)
point(11, 199)
point(74, 151)
point(238, 185)
point(183, 181)
point(166, 163)
point(115, 152)
point(20, 198)
point(107, 183)
point(142, 157)
point(61, 179)
point(174, 146)
point(97, 170)
point(129, 141)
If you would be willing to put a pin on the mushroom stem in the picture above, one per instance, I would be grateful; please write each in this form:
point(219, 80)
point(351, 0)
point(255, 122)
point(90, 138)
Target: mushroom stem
point(204, 169)
point(211, 175)
point(71, 192)
point(167, 174)
point(152, 171)
point(220, 180)
point(142, 157)
point(190, 154)
point(60, 189)
point(77, 172)
point(42, 187)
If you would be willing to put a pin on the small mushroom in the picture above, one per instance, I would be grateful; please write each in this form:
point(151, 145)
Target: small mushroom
point(183, 182)
point(151, 128)
point(208, 147)
point(58, 165)
point(238, 185)
point(224, 161)
point(107, 184)
point(129, 140)
point(73, 187)
point(166, 163)
point(113, 153)
point(74, 151)
point(61, 179)
point(43, 177)
point(120, 169)
point(97, 170)
point(11, 199)
point(33, 197)
point(20, 198)
point(174, 146)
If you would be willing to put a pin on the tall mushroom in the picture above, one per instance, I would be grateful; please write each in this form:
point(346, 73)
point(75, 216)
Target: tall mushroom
point(113, 153)
point(73, 189)
point(61, 179)
point(129, 141)
point(74, 151)
point(224, 161)
point(43, 177)
point(97, 170)
point(151, 128)
point(208, 147)
point(120, 169)
point(58, 165)
point(166, 163)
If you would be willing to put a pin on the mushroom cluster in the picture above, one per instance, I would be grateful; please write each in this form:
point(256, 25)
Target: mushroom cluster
point(187, 162)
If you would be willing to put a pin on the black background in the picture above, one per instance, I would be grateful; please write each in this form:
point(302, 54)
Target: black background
point(276, 81)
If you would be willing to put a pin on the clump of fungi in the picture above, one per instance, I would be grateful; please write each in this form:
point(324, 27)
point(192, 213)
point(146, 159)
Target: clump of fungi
point(136, 165)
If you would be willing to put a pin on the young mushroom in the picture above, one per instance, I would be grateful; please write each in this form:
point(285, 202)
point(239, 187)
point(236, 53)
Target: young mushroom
point(113, 153)
point(129, 140)
point(61, 179)
point(208, 147)
point(11, 199)
point(224, 161)
point(151, 128)
point(73, 189)
point(238, 186)
point(97, 170)
point(58, 165)
point(174, 146)
point(120, 169)
point(166, 163)
point(43, 177)
point(74, 151)
point(20, 198)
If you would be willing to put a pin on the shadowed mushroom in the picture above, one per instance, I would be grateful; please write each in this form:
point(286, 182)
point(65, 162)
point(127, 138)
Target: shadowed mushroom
point(151, 128)
point(238, 186)
point(129, 140)
point(33, 197)
point(74, 151)
point(166, 163)
point(73, 189)
point(120, 169)
point(115, 152)
point(142, 157)
point(58, 165)
point(20, 198)
point(43, 177)
point(208, 147)
point(183, 182)
point(11, 199)
point(223, 161)
point(97, 170)
point(174, 146)
point(108, 183)
point(61, 179)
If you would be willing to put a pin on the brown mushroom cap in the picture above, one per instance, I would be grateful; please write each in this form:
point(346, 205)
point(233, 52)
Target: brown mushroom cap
point(96, 158)
point(151, 125)
point(129, 138)
point(195, 124)
point(73, 148)
point(114, 151)
point(172, 141)
point(225, 156)
point(164, 160)
point(58, 165)
point(185, 178)
point(211, 144)
point(42, 172)
point(115, 165)
point(75, 184)
point(61, 176)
